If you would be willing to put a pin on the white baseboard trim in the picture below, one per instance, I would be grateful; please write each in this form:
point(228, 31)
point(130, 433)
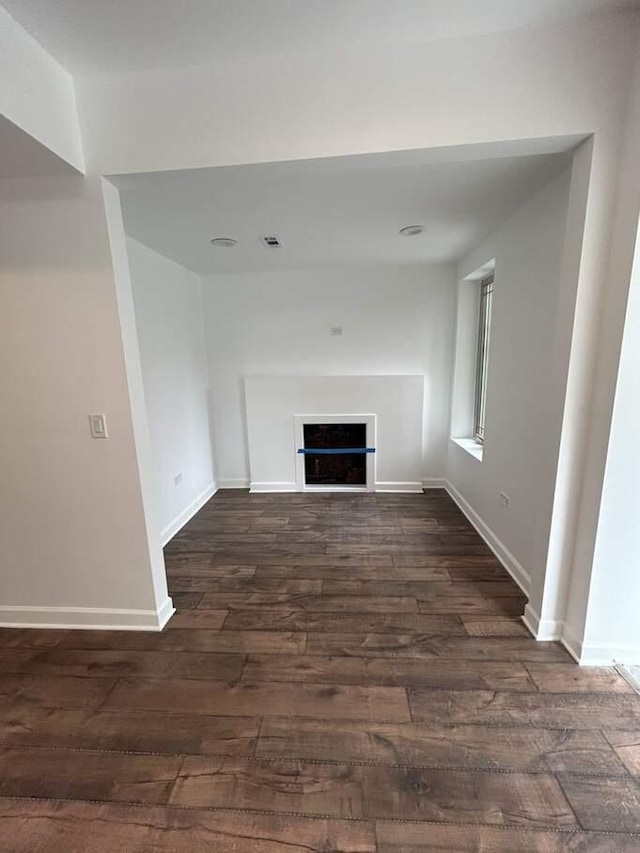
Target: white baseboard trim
point(542, 629)
point(531, 620)
point(517, 572)
point(594, 654)
point(178, 523)
point(570, 641)
point(255, 488)
point(434, 483)
point(411, 486)
point(165, 612)
point(238, 483)
point(86, 618)
point(585, 654)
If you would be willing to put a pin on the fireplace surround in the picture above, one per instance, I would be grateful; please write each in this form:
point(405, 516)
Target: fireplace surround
point(335, 452)
point(392, 407)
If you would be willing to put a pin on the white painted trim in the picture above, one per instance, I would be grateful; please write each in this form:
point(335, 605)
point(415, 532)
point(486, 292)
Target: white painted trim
point(86, 618)
point(470, 446)
point(187, 514)
point(434, 483)
point(542, 629)
point(165, 612)
point(531, 620)
point(585, 654)
point(381, 486)
point(256, 488)
point(363, 490)
point(571, 642)
point(392, 486)
point(592, 654)
point(236, 483)
point(517, 572)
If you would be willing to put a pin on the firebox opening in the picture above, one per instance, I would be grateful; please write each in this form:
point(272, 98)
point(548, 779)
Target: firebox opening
point(332, 466)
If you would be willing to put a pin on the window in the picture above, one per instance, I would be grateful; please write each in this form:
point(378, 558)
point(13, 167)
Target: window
point(469, 391)
point(482, 357)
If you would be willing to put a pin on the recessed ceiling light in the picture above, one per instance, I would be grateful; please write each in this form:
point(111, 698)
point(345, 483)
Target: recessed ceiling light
point(412, 230)
point(224, 242)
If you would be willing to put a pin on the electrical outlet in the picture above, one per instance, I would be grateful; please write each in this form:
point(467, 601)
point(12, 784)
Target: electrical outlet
point(336, 330)
point(177, 479)
point(505, 500)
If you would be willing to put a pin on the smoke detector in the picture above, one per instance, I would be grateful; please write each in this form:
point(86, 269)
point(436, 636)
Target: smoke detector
point(272, 242)
point(224, 242)
point(412, 230)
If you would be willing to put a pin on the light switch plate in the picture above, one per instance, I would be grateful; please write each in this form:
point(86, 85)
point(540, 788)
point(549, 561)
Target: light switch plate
point(98, 426)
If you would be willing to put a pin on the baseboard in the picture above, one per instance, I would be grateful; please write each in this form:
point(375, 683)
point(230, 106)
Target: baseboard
point(594, 654)
point(531, 620)
point(571, 642)
point(273, 487)
point(434, 483)
point(237, 483)
point(165, 612)
point(517, 572)
point(381, 486)
point(610, 655)
point(399, 486)
point(585, 654)
point(542, 629)
point(178, 523)
point(86, 618)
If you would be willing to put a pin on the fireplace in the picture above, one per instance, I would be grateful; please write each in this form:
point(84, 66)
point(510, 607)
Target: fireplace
point(335, 452)
point(340, 459)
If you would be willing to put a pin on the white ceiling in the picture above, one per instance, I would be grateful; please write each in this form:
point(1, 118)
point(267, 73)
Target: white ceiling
point(96, 36)
point(333, 212)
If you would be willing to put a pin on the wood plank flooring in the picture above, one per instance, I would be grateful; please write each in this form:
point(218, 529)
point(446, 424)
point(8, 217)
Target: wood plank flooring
point(345, 674)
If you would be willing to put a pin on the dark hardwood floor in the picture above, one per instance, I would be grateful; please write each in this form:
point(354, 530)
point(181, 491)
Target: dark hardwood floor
point(345, 674)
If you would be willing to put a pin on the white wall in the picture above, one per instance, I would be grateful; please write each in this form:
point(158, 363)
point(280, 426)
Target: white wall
point(395, 320)
point(75, 548)
point(74, 526)
point(37, 94)
point(612, 630)
point(522, 421)
point(396, 401)
point(175, 373)
point(577, 80)
point(591, 557)
point(340, 101)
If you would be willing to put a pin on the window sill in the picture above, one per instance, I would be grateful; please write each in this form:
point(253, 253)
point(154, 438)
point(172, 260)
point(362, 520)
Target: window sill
point(472, 447)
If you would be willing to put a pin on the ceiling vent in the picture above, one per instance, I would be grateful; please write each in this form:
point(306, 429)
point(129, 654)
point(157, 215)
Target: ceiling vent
point(412, 230)
point(224, 242)
point(272, 242)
